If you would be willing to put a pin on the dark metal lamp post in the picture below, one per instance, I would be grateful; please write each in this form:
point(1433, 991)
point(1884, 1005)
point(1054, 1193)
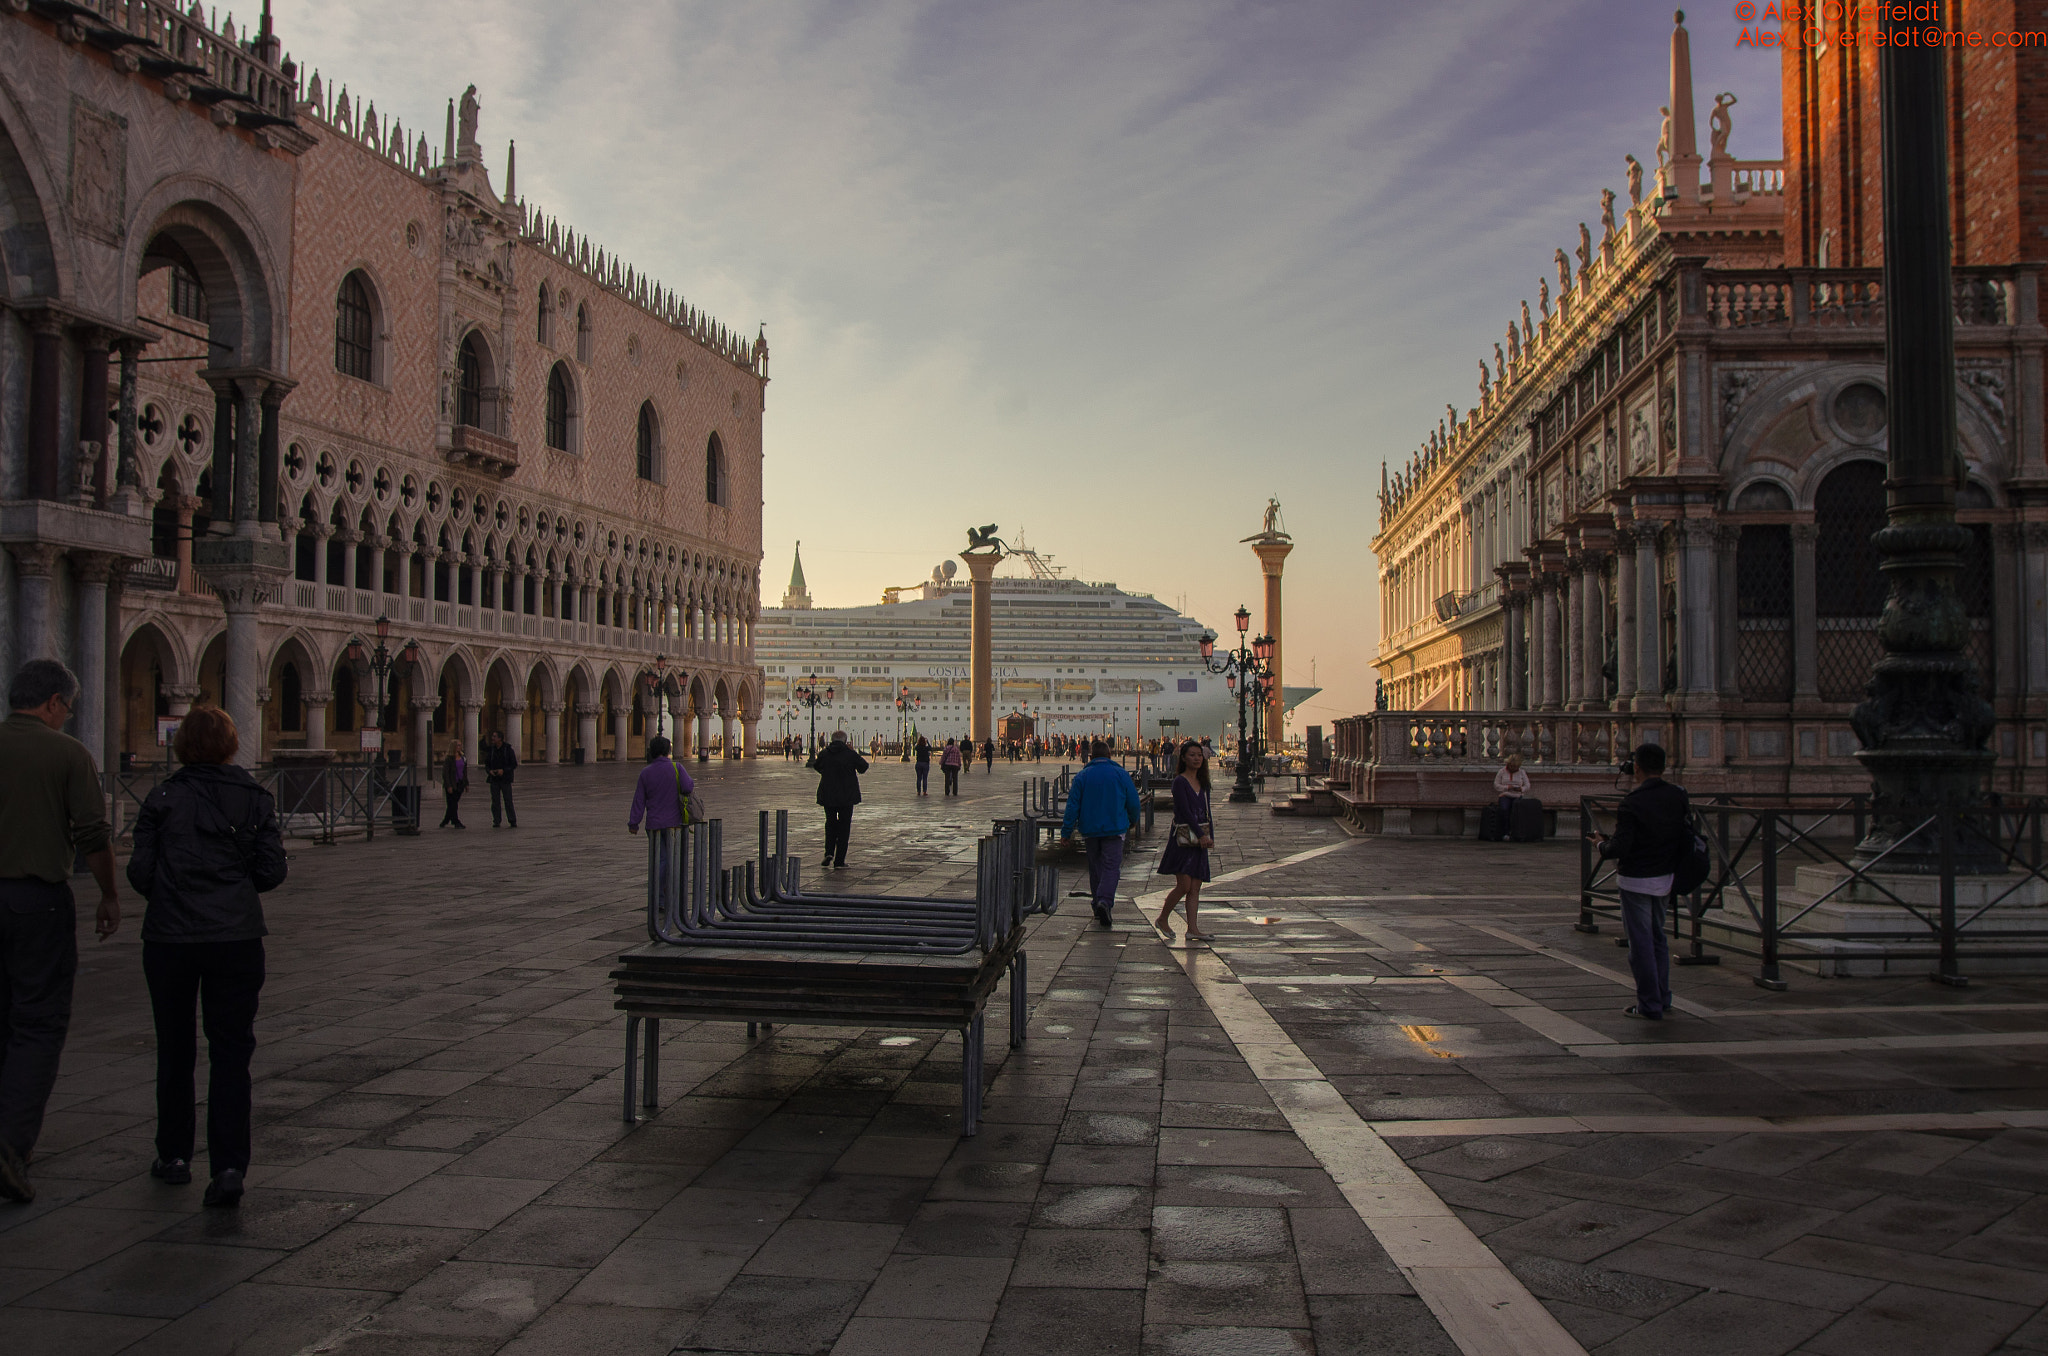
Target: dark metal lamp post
point(378, 664)
point(1239, 670)
point(907, 707)
point(810, 696)
point(1923, 723)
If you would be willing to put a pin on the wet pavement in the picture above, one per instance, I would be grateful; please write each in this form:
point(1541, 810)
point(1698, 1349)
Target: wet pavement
point(1395, 1109)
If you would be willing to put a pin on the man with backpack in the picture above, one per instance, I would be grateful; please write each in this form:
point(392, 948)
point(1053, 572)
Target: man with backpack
point(1653, 839)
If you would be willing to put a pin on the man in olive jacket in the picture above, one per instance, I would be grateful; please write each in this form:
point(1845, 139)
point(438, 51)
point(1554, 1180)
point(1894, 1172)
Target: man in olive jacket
point(51, 811)
point(838, 768)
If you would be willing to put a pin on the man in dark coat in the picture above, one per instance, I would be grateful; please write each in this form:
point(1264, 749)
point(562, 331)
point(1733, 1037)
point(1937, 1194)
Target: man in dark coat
point(838, 768)
point(1652, 834)
point(500, 762)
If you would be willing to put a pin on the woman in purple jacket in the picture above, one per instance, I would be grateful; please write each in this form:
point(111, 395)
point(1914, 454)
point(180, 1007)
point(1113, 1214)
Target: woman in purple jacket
point(658, 795)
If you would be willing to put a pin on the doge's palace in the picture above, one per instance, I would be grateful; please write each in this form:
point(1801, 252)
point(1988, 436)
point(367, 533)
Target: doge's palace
point(274, 367)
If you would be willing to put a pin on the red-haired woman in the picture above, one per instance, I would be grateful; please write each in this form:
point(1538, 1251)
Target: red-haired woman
point(207, 844)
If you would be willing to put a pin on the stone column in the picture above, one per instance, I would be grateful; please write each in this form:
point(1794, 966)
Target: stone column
point(620, 728)
point(586, 731)
point(1649, 623)
point(1573, 643)
point(91, 570)
point(317, 704)
point(222, 510)
point(320, 532)
point(1625, 642)
point(981, 568)
point(2034, 585)
point(268, 456)
point(243, 681)
point(750, 734)
point(515, 724)
point(1553, 644)
point(109, 750)
point(730, 729)
point(34, 562)
point(128, 471)
point(1698, 668)
point(472, 728)
point(551, 731)
point(94, 481)
point(44, 406)
point(1272, 549)
point(185, 505)
point(248, 465)
point(1538, 646)
point(1593, 684)
point(423, 733)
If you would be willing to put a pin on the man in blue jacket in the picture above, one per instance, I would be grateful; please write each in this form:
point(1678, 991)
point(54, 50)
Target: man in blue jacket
point(1102, 801)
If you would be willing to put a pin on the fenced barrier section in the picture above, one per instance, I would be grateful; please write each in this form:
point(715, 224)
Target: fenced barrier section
point(1785, 883)
point(1045, 798)
point(745, 942)
point(315, 802)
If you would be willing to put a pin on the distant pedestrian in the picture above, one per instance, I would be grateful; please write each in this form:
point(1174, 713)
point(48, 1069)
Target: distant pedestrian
point(1102, 802)
point(949, 764)
point(839, 768)
point(1510, 784)
point(500, 762)
point(207, 845)
point(1186, 858)
point(454, 781)
point(1652, 837)
point(660, 794)
point(924, 765)
point(988, 754)
point(51, 812)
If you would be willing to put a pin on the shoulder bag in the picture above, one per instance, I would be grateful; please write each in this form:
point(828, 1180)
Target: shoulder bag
point(688, 804)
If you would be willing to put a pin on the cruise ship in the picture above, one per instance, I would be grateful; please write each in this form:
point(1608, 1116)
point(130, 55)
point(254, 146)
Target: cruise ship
point(1070, 658)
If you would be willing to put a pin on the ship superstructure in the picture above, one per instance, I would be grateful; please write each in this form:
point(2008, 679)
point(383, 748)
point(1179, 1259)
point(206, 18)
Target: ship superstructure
point(1071, 657)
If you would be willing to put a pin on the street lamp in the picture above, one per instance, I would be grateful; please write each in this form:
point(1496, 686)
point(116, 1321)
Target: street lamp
point(1244, 673)
point(810, 696)
point(378, 664)
point(654, 678)
point(906, 708)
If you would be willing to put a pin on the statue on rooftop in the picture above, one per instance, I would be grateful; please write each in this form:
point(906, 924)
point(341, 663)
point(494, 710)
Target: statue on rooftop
point(1272, 527)
point(1635, 180)
point(1500, 361)
point(1607, 231)
point(1664, 139)
point(465, 118)
point(1528, 330)
point(1719, 124)
point(985, 539)
point(1585, 249)
point(1543, 290)
point(1564, 271)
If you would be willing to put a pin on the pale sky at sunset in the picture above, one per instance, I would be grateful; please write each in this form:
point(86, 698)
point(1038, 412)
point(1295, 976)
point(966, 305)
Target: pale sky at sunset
point(1109, 273)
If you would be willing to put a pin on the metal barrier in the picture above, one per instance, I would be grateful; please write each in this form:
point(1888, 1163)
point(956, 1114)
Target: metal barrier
point(1752, 841)
point(316, 802)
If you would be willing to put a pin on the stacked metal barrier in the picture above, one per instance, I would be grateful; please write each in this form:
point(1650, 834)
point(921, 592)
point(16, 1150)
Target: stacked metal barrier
point(746, 942)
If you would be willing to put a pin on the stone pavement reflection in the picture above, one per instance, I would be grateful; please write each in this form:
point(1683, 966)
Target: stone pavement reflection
point(440, 1165)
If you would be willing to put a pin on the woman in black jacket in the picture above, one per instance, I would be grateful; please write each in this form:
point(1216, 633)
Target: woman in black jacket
point(207, 844)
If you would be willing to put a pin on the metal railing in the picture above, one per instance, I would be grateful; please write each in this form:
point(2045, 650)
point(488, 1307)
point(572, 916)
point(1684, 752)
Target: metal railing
point(1752, 841)
point(317, 802)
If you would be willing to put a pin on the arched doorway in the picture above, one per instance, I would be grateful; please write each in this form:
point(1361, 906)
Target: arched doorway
point(148, 672)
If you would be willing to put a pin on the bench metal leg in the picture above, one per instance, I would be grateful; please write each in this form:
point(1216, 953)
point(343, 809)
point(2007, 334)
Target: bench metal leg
point(970, 1077)
point(1018, 1016)
point(632, 1054)
point(764, 1026)
point(651, 1098)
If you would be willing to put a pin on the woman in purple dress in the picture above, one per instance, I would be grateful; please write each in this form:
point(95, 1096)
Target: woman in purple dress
point(1188, 861)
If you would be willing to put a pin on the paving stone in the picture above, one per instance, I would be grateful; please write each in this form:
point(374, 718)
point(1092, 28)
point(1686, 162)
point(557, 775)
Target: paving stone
point(461, 1299)
point(1903, 1318)
point(1377, 1325)
point(781, 1314)
point(1237, 1148)
point(1110, 1259)
point(1600, 1287)
point(555, 1236)
point(897, 1336)
point(154, 1279)
point(1067, 1322)
point(1940, 1273)
point(1581, 1231)
point(1484, 1159)
point(967, 1228)
point(261, 1320)
point(370, 1257)
point(73, 1334)
point(1218, 1233)
point(1169, 1339)
point(831, 1249)
point(668, 1274)
point(1745, 1225)
point(1338, 1255)
point(1742, 1275)
point(927, 1287)
point(1714, 1324)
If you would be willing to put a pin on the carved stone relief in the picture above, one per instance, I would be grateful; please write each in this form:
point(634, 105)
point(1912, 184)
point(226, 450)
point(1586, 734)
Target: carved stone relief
point(99, 171)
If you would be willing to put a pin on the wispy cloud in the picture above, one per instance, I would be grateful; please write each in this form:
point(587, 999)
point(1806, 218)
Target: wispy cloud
point(1113, 272)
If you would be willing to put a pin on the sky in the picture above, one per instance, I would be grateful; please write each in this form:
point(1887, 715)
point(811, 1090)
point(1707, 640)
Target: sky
point(1107, 275)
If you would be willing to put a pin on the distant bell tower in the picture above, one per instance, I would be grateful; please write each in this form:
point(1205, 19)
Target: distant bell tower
point(797, 598)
